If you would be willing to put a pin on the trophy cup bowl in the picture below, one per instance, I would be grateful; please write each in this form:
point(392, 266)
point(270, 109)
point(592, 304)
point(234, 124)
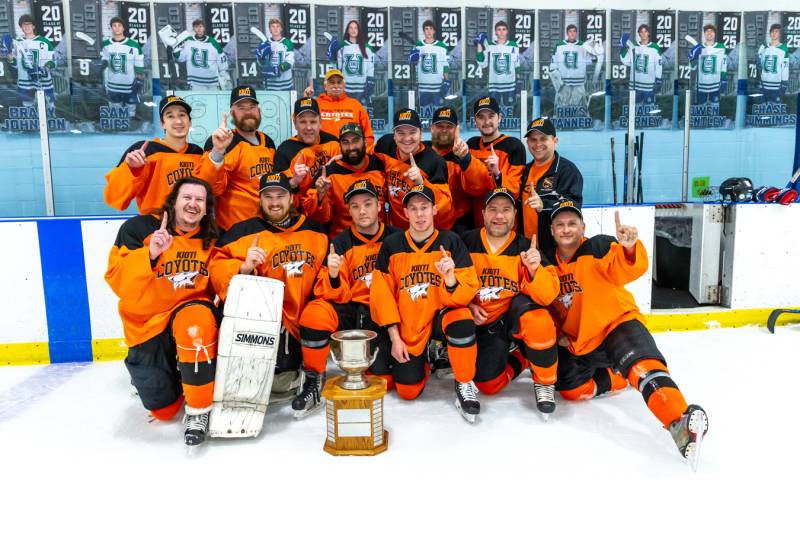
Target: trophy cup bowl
point(351, 351)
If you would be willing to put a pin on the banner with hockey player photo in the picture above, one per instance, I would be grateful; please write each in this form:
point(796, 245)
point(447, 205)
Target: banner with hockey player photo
point(196, 46)
point(772, 39)
point(499, 59)
point(32, 57)
point(708, 56)
point(273, 46)
point(353, 40)
point(572, 58)
point(643, 59)
point(111, 79)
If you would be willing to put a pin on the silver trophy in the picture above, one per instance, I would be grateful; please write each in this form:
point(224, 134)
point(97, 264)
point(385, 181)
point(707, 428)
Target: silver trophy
point(351, 351)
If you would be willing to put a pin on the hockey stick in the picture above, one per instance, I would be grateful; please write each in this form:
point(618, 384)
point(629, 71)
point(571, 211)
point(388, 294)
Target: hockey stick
point(407, 38)
point(85, 38)
point(639, 156)
point(258, 33)
point(773, 317)
point(625, 173)
point(613, 172)
point(691, 40)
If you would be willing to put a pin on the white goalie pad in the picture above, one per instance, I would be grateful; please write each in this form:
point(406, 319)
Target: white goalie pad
point(248, 350)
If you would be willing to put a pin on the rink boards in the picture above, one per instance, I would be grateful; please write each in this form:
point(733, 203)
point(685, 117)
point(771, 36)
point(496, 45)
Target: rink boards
point(60, 309)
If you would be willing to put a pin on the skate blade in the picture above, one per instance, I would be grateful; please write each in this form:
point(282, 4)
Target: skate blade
point(467, 416)
point(545, 416)
point(697, 425)
point(299, 415)
point(195, 450)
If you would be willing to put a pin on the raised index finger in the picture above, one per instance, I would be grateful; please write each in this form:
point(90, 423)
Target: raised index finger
point(144, 146)
point(333, 250)
point(255, 240)
point(444, 252)
point(224, 123)
point(164, 221)
point(411, 160)
point(533, 242)
point(616, 219)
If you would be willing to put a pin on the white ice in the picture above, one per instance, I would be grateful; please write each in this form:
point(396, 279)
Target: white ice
point(78, 453)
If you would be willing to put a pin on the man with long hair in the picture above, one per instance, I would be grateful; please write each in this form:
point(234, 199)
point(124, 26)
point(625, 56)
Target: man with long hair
point(158, 267)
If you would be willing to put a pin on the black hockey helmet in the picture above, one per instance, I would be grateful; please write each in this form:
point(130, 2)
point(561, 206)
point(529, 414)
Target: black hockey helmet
point(735, 190)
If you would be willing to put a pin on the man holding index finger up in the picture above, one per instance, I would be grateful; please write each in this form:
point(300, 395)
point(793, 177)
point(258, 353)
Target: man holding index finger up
point(421, 286)
point(249, 154)
point(342, 292)
point(606, 342)
point(514, 328)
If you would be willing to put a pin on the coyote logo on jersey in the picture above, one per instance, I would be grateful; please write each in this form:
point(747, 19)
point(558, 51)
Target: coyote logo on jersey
point(294, 268)
point(394, 190)
point(489, 293)
point(367, 279)
point(420, 290)
point(183, 280)
point(566, 299)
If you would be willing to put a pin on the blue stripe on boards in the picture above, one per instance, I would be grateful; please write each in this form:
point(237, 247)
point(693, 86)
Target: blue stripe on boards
point(66, 297)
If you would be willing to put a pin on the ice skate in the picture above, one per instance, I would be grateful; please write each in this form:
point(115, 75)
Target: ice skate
point(308, 399)
point(688, 432)
point(545, 399)
point(196, 429)
point(467, 401)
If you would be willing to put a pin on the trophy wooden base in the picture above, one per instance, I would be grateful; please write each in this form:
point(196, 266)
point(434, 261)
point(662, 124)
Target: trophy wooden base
point(355, 418)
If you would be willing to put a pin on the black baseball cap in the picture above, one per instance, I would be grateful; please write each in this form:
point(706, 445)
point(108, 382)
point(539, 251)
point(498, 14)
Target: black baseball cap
point(351, 127)
point(543, 125)
point(487, 102)
point(173, 100)
point(360, 187)
point(445, 114)
point(421, 190)
point(304, 105)
point(243, 92)
point(565, 205)
point(499, 191)
point(406, 117)
point(274, 179)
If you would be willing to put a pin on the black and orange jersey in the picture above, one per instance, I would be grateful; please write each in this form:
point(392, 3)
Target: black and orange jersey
point(315, 156)
point(559, 178)
point(149, 291)
point(434, 174)
point(469, 180)
point(592, 297)
point(360, 256)
point(407, 284)
point(243, 166)
point(502, 274)
point(294, 257)
point(511, 155)
point(332, 209)
point(151, 184)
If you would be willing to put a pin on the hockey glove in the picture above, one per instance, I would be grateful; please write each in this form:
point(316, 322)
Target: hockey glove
point(138, 86)
point(263, 52)
point(413, 55)
point(444, 90)
point(100, 64)
point(285, 66)
point(369, 87)
point(623, 41)
point(480, 38)
point(333, 49)
point(6, 45)
point(657, 86)
point(694, 53)
point(766, 194)
point(723, 86)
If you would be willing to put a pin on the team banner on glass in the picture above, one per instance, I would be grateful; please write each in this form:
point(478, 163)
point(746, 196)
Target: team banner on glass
point(99, 62)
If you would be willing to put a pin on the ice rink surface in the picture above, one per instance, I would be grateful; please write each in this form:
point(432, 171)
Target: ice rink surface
point(79, 454)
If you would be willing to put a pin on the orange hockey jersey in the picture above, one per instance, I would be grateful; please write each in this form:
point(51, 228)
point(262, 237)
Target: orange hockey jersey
point(149, 291)
point(360, 255)
point(407, 284)
point(468, 180)
point(243, 166)
point(502, 274)
point(511, 154)
point(294, 256)
point(151, 184)
point(336, 112)
point(315, 156)
point(332, 209)
point(592, 298)
point(434, 175)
